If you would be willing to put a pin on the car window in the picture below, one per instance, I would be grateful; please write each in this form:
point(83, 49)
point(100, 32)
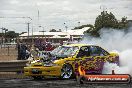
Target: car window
point(98, 51)
point(95, 51)
point(64, 51)
point(104, 52)
point(84, 51)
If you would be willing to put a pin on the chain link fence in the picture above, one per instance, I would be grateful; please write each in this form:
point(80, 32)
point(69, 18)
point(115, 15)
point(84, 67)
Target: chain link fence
point(8, 52)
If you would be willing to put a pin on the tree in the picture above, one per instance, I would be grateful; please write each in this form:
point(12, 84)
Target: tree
point(11, 34)
point(106, 20)
point(59, 30)
point(52, 30)
point(1, 34)
point(91, 31)
point(123, 24)
point(82, 26)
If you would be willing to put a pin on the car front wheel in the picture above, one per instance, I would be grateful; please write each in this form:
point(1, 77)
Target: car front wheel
point(66, 71)
point(37, 77)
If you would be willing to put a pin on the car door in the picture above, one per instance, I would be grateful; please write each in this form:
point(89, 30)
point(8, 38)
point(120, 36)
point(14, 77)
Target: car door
point(90, 58)
point(93, 63)
point(81, 56)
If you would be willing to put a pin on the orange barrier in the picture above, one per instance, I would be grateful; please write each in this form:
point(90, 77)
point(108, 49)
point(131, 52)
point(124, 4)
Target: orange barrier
point(101, 78)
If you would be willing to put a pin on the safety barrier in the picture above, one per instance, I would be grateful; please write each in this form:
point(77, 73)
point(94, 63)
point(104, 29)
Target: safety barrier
point(12, 66)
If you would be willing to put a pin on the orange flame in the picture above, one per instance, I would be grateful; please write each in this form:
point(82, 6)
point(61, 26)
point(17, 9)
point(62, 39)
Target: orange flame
point(81, 70)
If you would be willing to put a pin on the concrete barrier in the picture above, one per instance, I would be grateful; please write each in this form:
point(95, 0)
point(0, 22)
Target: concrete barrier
point(12, 66)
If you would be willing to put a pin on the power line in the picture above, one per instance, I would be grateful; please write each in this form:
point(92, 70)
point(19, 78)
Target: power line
point(21, 23)
point(17, 17)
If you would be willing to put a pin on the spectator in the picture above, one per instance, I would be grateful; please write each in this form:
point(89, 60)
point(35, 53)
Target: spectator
point(27, 54)
point(34, 52)
point(23, 51)
point(18, 47)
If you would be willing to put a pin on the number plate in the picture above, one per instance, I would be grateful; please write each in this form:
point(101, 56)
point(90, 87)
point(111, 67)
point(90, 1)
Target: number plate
point(36, 71)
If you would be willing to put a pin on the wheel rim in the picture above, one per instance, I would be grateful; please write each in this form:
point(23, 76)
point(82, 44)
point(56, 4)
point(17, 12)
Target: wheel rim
point(66, 72)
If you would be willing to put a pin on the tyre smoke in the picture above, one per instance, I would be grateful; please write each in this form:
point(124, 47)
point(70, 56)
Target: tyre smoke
point(115, 41)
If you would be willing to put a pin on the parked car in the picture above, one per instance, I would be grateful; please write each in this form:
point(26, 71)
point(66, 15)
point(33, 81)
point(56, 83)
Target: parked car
point(64, 60)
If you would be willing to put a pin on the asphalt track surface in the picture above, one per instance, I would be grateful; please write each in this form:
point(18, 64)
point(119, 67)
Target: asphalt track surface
point(54, 83)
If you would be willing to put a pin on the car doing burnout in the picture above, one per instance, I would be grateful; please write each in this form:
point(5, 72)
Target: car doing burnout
point(64, 61)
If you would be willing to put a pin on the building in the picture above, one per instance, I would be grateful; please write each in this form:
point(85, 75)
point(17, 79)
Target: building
point(54, 37)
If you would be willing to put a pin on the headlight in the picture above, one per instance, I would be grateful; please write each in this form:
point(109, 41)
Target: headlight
point(50, 64)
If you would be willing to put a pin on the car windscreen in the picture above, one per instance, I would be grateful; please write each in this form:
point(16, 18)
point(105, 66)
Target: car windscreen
point(65, 51)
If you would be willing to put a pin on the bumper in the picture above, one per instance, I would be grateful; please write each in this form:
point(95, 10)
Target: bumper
point(42, 71)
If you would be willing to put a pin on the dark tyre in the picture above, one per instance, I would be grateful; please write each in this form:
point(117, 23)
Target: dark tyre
point(37, 77)
point(67, 72)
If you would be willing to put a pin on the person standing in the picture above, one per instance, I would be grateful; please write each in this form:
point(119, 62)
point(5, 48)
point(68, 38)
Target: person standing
point(19, 50)
point(23, 51)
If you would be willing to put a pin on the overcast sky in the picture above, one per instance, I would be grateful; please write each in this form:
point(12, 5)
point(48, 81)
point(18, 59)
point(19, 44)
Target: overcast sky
point(54, 13)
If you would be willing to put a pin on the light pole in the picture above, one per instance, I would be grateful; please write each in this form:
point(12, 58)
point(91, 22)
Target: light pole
point(22, 18)
point(65, 26)
point(1, 37)
point(28, 29)
point(78, 23)
point(43, 30)
point(32, 35)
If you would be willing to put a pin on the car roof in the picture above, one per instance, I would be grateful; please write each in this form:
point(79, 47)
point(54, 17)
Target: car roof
point(80, 45)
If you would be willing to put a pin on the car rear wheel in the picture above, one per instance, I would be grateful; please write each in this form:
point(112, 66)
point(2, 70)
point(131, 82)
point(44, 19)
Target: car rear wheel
point(67, 71)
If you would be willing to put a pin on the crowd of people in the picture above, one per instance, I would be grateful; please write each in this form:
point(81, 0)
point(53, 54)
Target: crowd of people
point(25, 50)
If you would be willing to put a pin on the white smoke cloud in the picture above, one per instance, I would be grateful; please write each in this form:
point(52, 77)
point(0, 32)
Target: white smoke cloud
point(111, 39)
point(115, 40)
point(108, 67)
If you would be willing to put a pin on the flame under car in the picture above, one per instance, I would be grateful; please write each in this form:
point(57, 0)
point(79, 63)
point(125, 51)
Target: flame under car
point(64, 61)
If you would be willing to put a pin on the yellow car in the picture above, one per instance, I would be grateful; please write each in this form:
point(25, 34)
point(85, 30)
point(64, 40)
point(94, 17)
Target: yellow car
point(64, 61)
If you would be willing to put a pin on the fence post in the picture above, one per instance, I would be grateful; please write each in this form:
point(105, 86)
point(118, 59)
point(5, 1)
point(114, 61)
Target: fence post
point(8, 50)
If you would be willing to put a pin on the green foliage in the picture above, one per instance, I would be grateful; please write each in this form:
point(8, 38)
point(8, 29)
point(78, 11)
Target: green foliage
point(91, 29)
point(11, 34)
point(82, 26)
point(123, 24)
point(52, 30)
point(106, 20)
point(1, 34)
